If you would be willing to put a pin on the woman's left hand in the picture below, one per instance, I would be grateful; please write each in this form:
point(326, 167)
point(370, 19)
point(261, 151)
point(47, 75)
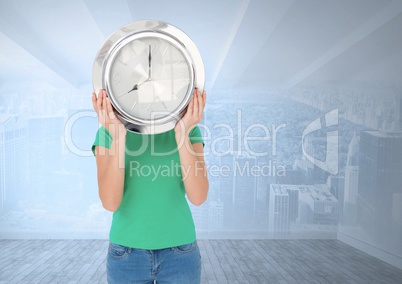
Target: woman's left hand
point(191, 155)
point(193, 114)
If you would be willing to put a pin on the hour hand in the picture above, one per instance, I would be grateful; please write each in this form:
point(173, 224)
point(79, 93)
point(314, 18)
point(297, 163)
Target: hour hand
point(133, 89)
point(136, 86)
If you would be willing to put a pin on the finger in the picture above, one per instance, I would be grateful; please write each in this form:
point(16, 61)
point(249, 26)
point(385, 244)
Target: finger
point(190, 106)
point(109, 109)
point(200, 104)
point(94, 102)
point(99, 101)
point(195, 99)
point(104, 104)
point(204, 99)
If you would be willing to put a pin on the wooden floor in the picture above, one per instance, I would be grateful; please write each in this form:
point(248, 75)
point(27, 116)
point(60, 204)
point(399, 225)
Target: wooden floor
point(224, 261)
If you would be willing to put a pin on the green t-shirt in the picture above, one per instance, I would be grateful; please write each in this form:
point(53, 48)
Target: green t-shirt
point(154, 212)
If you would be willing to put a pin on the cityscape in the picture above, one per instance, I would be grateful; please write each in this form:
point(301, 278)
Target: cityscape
point(305, 163)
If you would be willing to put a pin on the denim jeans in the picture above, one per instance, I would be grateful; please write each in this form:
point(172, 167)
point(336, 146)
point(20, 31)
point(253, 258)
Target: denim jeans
point(181, 264)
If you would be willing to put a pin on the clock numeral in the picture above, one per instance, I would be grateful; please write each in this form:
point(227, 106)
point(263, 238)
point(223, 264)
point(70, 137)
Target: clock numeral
point(133, 49)
point(164, 52)
point(135, 103)
point(155, 46)
point(121, 62)
point(157, 108)
point(116, 78)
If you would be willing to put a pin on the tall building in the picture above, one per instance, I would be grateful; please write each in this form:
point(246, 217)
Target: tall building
point(397, 213)
point(351, 184)
point(215, 215)
point(351, 181)
point(225, 188)
point(317, 205)
point(13, 163)
point(294, 199)
point(262, 198)
point(293, 176)
point(400, 114)
point(45, 144)
point(336, 186)
point(264, 180)
point(244, 191)
point(200, 216)
point(208, 217)
point(316, 148)
point(278, 210)
point(380, 180)
point(302, 204)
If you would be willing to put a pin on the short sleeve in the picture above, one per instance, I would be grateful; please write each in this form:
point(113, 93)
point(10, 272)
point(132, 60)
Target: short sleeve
point(195, 136)
point(103, 138)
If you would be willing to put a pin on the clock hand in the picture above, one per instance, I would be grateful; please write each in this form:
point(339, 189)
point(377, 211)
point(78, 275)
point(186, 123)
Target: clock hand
point(134, 88)
point(149, 73)
point(149, 63)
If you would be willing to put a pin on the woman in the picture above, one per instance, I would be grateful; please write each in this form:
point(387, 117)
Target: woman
point(143, 179)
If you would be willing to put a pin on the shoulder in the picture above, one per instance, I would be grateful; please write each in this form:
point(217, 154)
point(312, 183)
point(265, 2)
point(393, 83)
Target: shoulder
point(195, 135)
point(103, 138)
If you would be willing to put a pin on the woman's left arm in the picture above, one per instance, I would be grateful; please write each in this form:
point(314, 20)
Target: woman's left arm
point(192, 162)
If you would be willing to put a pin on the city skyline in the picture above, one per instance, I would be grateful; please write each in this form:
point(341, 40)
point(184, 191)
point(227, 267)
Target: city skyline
point(239, 198)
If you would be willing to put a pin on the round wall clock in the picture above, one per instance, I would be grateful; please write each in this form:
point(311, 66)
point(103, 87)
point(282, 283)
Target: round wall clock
point(149, 70)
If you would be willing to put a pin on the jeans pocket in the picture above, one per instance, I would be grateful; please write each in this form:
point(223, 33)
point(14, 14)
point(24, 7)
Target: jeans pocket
point(117, 251)
point(186, 248)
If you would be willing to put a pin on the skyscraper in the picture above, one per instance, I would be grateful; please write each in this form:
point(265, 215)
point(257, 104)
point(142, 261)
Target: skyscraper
point(200, 216)
point(215, 215)
point(262, 197)
point(351, 180)
point(45, 144)
point(278, 210)
point(317, 205)
point(244, 191)
point(316, 147)
point(294, 200)
point(225, 188)
point(400, 114)
point(351, 184)
point(380, 180)
point(14, 163)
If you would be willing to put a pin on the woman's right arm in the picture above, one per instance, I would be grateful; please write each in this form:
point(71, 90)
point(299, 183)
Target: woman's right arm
point(110, 162)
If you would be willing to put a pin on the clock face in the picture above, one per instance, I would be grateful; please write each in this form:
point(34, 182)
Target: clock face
point(149, 70)
point(149, 78)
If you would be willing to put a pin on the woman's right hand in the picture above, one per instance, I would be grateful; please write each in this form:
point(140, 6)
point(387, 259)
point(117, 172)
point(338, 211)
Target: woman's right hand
point(110, 161)
point(106, 115)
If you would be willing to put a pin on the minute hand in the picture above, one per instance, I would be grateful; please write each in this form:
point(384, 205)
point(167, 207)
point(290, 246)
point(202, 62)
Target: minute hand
point(149, 62)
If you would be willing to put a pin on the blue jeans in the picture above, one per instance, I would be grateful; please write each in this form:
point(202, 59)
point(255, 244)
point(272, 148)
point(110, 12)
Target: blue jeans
point(181, 264)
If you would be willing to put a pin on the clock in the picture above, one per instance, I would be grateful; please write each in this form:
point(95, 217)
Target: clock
point(149, 70)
